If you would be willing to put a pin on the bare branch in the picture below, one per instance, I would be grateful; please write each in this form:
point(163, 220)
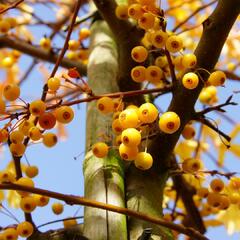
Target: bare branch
point(24, 47)
point(76, 200)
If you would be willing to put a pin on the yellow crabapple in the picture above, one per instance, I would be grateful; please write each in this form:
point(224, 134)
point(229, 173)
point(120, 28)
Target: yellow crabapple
point(100, 149)
point(143, 161)
point(169, 122)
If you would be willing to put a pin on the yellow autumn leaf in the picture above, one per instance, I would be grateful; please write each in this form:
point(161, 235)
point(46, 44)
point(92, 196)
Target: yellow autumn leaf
point(235, 149)
point(235, 131)
point(13, 199)
point(230, 218)
point(185, 148)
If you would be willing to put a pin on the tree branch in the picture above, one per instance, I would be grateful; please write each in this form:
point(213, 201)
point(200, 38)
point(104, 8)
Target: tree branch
point(183, 100)
point(24, 47)
point(13, 5)
point(122, 30)
point(76, 200)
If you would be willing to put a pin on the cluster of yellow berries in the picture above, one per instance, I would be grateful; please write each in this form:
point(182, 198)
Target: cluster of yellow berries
point(10, 59)
point(217, 198)
point(23, 229)
point(76, 50)
point(29, 202)
point(129, 124)
point(38, 108)
point(148, 17)
point(6, 24)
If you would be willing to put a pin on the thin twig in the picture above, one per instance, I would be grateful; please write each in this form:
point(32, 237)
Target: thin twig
point(13, 5)
point(217, 107)
point(192, 15)
point(215, 128)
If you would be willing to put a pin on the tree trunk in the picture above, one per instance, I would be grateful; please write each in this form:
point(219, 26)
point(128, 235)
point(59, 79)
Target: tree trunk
point(104, 178)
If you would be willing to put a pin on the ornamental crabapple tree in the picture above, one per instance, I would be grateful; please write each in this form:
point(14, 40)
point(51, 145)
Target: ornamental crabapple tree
point(144, 68)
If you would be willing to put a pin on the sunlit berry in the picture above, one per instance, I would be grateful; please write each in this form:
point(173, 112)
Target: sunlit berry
point(12, 21)
point(8, 62)
point(135, 11)
point(188, 132)
point(234, 198)
point(11, 92)
point(57, 208)
point(41, 201)
point(84, 33)
point(24, 182)
point(16, 54)
point(234, 183)
point(35, 133)
point(17, 149)
point(169, 122)
point(128, 118)
point(37, 107)
point(64, 114)
point(217, 78)
point(121, 11)
point(53, 83)
point(214, 199)
point(177, 62)
point(205, 97)
point(47, 120)
point(2, 106)
point(83, 54)
point(139, 54)
point(25, 229)
point(146, 21)
point(190, 80)
point(159, 38)
point(174, 44)
point(31, 171)
point(189, 60)
point(16, 136)
point(191, 165)
point(138, 74)
point(25, 126)
point(202, 192)
point(143, 161)
point(73, 45)
point(147, 113)
point(154, 74)
point(128, 153)
point(6, 176)
point(217, 185)
point(10, 234)
point(100, 149)
point(49, 139)
point(131, 137)
point(67, 223)
point(224, 202)
point(28, 204)
point(3, 135)
point(116, 126)
point(72, 55)
point(45, 43)
point(161, 61)
point(105, 105)
point(4, 26)
point(118, 104)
